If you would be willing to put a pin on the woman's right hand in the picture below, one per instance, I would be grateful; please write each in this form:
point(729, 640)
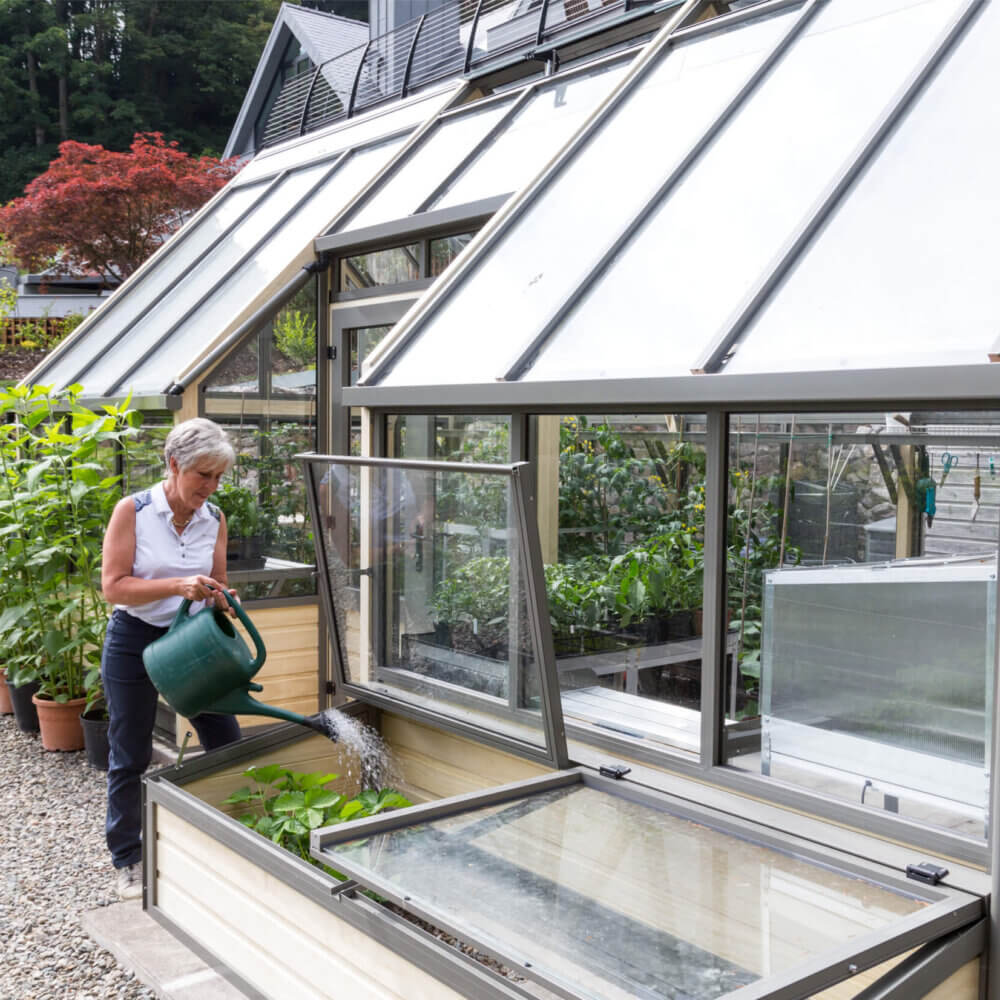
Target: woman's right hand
point(199, 588)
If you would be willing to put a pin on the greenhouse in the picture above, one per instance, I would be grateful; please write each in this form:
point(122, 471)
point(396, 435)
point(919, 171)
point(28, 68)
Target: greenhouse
point(619, 438)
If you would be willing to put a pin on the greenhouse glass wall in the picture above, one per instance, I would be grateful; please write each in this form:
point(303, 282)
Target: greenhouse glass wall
point(626, 419)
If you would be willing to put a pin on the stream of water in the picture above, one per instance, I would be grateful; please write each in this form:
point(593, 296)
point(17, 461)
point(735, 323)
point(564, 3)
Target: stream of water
point(369, 760)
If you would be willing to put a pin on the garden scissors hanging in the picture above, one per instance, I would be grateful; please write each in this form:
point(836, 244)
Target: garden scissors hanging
point(948, 462)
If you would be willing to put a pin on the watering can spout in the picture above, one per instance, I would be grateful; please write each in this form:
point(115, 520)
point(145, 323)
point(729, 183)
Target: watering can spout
point(240, 703)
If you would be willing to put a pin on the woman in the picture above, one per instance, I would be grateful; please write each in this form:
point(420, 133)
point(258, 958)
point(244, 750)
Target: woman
point(162, 545)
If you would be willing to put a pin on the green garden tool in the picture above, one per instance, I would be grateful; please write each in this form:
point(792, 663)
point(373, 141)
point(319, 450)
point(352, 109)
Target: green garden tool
point(202, 665)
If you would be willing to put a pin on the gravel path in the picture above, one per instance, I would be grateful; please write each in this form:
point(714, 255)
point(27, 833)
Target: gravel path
point(53, 867)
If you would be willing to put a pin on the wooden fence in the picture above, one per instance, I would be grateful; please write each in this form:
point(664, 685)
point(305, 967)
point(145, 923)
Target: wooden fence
point(42, 331)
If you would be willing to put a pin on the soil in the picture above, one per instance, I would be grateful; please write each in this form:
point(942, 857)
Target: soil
point(16, 363)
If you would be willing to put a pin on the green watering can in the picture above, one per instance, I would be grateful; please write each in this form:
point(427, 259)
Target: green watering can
point(202, 665)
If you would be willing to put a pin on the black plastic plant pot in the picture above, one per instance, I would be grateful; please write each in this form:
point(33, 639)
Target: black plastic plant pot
point(25, 714)
point(95, 738)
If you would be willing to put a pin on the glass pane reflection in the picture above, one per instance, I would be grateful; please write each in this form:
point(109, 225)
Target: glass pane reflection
point(861, 587)
point(426, 578)
point(613, 898)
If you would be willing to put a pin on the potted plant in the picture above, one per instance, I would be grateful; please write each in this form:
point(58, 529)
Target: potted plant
point(56, 500)
point(94, 720)
point(244, 526)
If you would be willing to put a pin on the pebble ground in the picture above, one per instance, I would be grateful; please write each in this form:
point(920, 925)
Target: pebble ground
point(53, 867)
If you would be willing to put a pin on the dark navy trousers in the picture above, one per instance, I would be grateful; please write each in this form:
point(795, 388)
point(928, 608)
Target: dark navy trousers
point(131, 700)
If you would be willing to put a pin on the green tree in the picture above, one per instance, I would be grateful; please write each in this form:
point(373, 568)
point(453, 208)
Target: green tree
point(98, 71)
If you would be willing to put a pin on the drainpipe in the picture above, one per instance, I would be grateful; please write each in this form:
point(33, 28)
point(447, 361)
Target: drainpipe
point(263, 315)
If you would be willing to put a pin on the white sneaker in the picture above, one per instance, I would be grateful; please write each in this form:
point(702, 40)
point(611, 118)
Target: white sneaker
point(130, 881)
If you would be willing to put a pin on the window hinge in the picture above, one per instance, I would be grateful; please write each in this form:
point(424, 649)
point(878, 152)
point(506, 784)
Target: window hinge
point(331, 354)
point(330, 689)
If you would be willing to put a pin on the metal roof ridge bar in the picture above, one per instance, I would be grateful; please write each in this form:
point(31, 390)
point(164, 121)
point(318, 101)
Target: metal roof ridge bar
point(357, 79)
point(305, 103)
point(528, 354)
point(470, 48)
point(409, 56)
point(417, 138)
point(275, 181)
point(259, 317)
point(486, 240)
point(243, 258)
point(478, 147)
point(117, 296)
point(856, 163)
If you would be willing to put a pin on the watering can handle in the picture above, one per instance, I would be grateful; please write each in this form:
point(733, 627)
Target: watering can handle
point(241, 614)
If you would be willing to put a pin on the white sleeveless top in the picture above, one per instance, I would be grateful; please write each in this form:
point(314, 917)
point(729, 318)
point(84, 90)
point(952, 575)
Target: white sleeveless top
point(161, 551)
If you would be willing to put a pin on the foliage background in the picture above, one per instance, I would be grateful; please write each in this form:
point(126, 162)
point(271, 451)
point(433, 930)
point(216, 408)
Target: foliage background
point(98, 71)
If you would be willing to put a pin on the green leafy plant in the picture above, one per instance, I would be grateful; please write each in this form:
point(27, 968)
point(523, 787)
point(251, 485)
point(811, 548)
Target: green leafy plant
point(285, 806)
point(295, 337)
point(56, 495)
point(243, 514)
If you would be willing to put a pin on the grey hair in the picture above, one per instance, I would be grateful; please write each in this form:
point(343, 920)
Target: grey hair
point(196, 439)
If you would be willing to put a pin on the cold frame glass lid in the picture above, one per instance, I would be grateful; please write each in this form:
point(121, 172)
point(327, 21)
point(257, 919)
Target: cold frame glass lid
point(425, 571)
point(603, 896)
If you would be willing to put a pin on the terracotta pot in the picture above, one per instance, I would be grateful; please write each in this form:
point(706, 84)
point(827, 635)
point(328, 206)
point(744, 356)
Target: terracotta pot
point(59, 723)
point(6, 705)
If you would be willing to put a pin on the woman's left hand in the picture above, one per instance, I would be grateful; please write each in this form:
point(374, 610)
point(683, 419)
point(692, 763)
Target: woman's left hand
point(223, 605)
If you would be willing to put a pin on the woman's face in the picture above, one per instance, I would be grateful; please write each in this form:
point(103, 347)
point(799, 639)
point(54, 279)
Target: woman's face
point(198, 481)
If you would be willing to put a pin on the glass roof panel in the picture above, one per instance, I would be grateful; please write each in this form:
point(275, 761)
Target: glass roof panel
point(167, 266)
point(351, 132)
point(171, 306)
point(915, 242)
point(606, 897)
point(545, 253)
point(538, 130)
point(425, 571)
point(266, 264)
point(440, 153)
point(677, 283)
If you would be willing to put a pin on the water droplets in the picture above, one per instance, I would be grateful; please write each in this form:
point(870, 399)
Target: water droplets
point(368, 759)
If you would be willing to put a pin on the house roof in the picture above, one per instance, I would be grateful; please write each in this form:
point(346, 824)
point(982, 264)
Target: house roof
point(322, 37)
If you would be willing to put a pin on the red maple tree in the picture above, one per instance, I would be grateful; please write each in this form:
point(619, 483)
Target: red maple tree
point(95, 210)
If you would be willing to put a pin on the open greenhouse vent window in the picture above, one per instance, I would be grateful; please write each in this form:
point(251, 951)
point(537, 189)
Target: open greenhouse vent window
point(411, 556)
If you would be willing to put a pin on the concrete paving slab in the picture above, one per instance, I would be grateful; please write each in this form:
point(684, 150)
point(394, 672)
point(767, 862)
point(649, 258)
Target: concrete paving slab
point(157, 958)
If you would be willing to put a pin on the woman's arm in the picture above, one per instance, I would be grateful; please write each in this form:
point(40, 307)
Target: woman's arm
point(219, 571)
point(117, 582)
